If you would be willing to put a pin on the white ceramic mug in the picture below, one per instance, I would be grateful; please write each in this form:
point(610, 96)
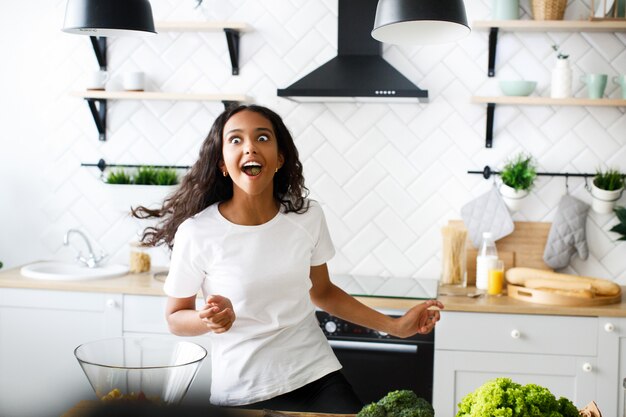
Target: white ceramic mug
point(621, 80)
point(96, 80)
point(133, 81)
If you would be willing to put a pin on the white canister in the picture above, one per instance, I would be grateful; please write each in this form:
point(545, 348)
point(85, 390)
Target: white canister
point(561, 86)
point(133, 81)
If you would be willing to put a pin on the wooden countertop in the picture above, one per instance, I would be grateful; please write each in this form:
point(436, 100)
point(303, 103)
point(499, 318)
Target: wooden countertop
point(145, 284)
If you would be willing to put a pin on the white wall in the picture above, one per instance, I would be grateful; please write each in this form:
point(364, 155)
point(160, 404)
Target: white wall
point(389, 175)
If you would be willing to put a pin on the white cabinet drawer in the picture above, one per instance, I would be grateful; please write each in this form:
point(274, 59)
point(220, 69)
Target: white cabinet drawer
point(517, 333)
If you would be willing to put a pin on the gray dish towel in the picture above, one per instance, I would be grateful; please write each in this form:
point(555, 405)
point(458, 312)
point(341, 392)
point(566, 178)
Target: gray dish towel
point(487, 213)
point(567, 233)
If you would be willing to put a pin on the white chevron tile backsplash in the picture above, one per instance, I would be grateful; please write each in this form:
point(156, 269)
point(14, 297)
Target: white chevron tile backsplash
point(388, 175)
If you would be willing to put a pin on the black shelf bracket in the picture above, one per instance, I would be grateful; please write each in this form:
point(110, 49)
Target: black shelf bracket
point(99, 45)
point(491, 109)
point(228, 104)
point(493, 46)
point(99, 114)
point(232, 39)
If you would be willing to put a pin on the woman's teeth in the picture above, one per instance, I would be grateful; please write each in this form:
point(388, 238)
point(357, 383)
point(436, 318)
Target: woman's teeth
point(252, 169)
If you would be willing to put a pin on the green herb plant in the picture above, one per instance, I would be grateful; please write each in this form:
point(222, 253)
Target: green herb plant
point(519, 172)
point(609, 180)
point(118, 177)
point(620, 228)
point(145, 176)
point(166, 176)
point(559, 54)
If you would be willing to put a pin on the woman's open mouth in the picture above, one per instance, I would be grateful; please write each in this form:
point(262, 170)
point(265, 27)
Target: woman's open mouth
point(252, 168)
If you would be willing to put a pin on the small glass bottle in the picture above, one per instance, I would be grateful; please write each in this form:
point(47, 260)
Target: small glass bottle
point(486, 259)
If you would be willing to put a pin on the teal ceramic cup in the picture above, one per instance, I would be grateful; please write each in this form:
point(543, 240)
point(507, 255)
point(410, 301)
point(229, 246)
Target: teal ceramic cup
point(596, 84)
point(621, 80)
point(505, 9)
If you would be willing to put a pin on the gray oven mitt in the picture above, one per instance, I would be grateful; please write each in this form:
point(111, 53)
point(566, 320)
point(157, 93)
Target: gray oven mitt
point(487, 213)
point(567, 233)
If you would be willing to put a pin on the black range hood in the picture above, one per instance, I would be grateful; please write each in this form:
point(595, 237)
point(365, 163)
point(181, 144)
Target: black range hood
point(358, 72)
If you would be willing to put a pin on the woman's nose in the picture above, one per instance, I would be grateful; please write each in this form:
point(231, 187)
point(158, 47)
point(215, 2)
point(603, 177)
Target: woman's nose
point(249, 148)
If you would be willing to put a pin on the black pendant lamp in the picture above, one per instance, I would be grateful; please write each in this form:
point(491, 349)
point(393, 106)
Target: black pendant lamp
point(109, 17)
point(420, 22)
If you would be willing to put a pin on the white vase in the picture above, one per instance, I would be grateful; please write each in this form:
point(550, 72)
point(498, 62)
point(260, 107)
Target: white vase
point(512, 197)
point(561, 86)
point(603, 201)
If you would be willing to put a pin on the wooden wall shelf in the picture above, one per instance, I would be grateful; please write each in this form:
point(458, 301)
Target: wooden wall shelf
point(536, 101)
point(547, 101)
point(97, 101)
point(540, 26)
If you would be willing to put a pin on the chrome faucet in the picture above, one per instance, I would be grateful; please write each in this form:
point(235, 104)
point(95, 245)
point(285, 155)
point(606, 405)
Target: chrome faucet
point(92, 259)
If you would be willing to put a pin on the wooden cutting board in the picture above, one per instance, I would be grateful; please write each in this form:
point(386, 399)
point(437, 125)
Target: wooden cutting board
point(534, 295)
point(523, 247)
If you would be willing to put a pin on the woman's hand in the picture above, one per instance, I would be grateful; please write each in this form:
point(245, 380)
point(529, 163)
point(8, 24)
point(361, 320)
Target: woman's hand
point(419, 319)
point(217, 314)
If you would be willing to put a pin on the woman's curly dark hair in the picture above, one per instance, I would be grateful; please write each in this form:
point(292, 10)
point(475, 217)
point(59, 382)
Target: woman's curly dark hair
point(204, 184)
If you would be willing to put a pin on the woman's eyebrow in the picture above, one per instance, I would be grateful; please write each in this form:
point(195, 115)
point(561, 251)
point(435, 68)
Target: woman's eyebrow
point(258, 129)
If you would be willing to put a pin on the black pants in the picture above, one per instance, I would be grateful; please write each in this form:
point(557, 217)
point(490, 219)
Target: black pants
point(330, 394)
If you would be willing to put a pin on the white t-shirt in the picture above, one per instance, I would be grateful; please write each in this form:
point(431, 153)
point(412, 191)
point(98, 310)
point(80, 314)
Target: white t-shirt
point(275, 344)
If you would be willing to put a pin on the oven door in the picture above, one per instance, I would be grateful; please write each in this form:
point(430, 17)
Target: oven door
point(375, 368)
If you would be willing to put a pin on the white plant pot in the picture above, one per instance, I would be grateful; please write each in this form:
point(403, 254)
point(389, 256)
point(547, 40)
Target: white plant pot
point(124, 196)
point(512, 197)
point(603, 201)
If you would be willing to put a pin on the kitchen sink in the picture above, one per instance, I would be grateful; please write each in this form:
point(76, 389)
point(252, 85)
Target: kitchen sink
point(69, 271)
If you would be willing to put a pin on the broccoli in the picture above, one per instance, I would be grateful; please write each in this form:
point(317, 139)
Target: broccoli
point(399, 403)
point(501, 397)
point(372, 410)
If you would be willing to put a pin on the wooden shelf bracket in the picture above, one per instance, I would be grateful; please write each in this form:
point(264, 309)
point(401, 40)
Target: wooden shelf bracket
point(493, 45)
point(99, 45)
point(232, 39)
point(99, 114)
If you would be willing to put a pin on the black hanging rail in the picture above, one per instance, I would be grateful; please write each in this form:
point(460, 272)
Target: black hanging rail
point(488, 172)
point(102, 165)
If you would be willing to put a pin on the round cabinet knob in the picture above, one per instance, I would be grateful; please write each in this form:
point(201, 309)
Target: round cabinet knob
point(609, 327)
point(330, 326)
point(383, 334)
point(515, 334)
point(111, 303)
point(587, 367)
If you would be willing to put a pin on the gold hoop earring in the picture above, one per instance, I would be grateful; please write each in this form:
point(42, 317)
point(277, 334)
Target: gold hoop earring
point(225, 173)
point(276, 170)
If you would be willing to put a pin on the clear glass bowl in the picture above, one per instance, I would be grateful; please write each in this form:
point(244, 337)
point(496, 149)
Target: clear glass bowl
point(152, 369)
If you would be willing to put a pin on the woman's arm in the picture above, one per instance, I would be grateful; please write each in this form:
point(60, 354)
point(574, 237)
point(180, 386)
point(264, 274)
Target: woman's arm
point(332, 299)
point(183, 319)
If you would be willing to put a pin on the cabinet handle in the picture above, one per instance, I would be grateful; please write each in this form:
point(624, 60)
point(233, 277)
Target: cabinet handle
point(515, 334)
point(609, 327)
point(111, 303)
point(587, 367)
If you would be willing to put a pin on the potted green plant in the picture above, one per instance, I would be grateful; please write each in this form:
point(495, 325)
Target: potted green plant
point(147, 186)
point(620, 228)
point(518, 177)
point(606, 188)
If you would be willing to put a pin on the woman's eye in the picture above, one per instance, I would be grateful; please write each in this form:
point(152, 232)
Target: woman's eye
point(263, 138)
point(234, 140)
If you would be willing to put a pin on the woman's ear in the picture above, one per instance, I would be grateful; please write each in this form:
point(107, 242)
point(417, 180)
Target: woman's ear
point(221, 165)
point(281, 160)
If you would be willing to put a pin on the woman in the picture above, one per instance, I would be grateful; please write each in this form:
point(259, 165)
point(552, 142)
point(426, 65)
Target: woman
point(243, 232)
